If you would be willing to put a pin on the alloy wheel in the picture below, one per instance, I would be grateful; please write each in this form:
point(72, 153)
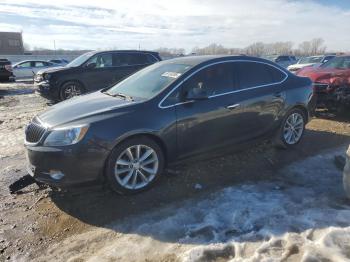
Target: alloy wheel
point(136, 167)
point(293, 128)
point(71, 91)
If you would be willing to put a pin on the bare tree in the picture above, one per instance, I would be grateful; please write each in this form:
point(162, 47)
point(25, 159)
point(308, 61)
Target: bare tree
point(317, 46)
point(170, 52)
point(256, 49)
point(305, 48)
point(314, 47)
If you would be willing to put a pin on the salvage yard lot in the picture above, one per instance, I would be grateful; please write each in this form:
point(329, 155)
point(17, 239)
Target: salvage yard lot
point(260, 203)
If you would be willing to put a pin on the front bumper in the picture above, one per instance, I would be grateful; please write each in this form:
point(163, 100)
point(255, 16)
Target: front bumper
point(65, 166)
point(47, 89)
point(331, 97)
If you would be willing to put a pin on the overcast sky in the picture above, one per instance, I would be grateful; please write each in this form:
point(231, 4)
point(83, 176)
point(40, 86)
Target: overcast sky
point(124, 24)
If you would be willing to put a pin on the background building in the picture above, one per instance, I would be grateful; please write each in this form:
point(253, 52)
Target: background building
point(11, 43)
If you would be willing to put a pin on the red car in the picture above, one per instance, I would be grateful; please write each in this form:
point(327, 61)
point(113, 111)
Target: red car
point(331, 82)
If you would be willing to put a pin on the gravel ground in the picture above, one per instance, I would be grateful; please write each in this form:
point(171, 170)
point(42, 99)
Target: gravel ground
point(37, 219)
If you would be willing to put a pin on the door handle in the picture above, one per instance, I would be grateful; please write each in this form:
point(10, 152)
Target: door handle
point(231, 107)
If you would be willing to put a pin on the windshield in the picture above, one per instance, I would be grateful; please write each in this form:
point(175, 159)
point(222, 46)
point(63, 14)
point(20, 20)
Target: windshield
point(80, 60)
point(310, 60)
point(341, 62)
point(149, 81)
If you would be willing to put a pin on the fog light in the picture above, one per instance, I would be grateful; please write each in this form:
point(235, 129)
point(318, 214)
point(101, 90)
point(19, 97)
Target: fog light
point(56, 174)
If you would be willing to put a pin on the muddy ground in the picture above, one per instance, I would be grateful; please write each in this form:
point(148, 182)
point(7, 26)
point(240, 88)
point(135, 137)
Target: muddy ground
point(36, 219)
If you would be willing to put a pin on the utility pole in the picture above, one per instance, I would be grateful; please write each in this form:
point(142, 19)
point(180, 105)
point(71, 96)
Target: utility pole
point(54, 46)
point(139, 46)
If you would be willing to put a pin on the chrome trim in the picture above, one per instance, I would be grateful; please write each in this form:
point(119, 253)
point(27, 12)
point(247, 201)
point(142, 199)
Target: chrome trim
point(45, 126)
point(231, 92)
point(320, 84)
point(233, 106)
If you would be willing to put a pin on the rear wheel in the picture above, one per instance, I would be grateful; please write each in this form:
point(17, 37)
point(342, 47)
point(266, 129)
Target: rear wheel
point(134, 165)
point(71, 89)
point(292, 129)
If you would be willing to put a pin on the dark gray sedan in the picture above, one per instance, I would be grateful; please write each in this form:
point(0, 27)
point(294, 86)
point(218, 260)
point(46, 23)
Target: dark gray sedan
point(163, 114)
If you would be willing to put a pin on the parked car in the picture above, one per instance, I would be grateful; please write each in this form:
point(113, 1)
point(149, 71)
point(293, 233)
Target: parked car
point(28, 68)
point(163, 114)
point(6, 71)
point(61, 62)
point(283, 60)
point(91, 71)
point(309, 61)
point(331, 82)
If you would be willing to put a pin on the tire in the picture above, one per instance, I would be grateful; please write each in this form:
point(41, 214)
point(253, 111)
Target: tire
point(125, 176)
point(70, 89)
point(283, 139)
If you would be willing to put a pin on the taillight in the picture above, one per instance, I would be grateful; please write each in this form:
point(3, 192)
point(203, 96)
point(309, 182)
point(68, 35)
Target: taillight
point(8, 68)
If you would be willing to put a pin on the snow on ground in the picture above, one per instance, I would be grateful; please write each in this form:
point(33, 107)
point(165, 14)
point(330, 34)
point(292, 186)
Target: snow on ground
point(17, 107)
point(301, 216)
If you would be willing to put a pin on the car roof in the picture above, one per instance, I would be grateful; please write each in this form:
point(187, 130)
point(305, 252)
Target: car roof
point(196, 60)
point(24, 61)
point(124, 51)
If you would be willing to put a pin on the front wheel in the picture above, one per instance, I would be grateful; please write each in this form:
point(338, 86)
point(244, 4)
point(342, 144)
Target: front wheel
point(71, 89)
point(134, 165)
point(292, 129)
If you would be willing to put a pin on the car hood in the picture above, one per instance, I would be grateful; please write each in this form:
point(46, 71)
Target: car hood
point(83, 109)
point(318, 73)
point(299, 66)
point(52, 70)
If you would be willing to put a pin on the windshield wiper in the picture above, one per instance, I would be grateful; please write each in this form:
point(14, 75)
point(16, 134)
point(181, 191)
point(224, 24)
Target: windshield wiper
point(126, 97)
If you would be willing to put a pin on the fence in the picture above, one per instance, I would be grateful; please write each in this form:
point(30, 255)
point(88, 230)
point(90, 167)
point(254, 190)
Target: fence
point(19, 58)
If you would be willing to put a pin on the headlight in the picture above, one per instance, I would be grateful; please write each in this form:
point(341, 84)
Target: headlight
point(47, 76)
point(66, 136)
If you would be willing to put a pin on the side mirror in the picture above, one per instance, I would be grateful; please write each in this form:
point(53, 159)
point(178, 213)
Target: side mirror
point(197, 93)
point(91, 65)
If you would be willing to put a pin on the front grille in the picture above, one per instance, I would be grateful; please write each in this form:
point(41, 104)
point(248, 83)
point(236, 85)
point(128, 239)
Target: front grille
point(320, 87)
point(34, 131)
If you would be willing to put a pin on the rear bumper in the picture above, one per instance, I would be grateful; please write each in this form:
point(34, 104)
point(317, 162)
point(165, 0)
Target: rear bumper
point(6, 74)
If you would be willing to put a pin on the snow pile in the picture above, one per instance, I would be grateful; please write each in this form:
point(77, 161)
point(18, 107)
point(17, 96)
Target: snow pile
point(302, 216)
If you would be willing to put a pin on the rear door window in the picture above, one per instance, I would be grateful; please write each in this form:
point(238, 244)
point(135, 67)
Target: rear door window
point(39, 64)
point(252, 74)
point(151, 59)
point(277, 75)
point(129, 59)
